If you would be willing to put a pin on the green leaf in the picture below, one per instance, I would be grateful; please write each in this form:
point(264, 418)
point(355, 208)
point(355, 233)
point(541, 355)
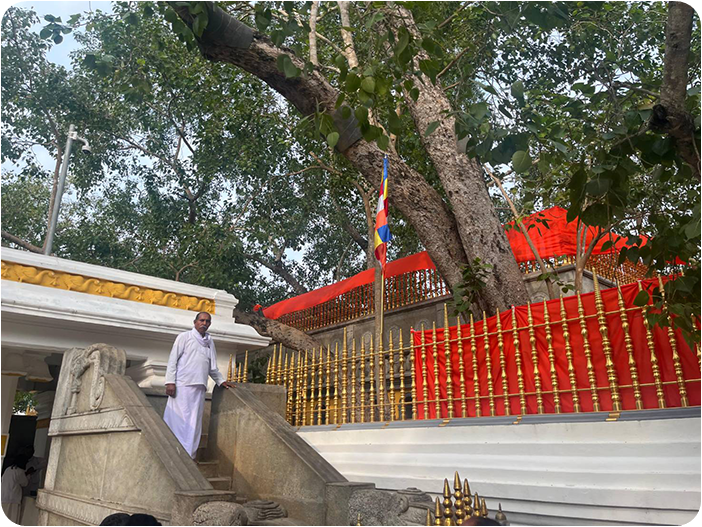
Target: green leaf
point(517, 91)
point(521, 161)
point(58, 38)
point(403, 38)
point(340, 100)
point(598, 187)
point(394, 123)
point(362, 114)
point(430, 129)
point(345, 112)
point(642, 298)
point(263, 19)
point(353, 82)
point(383, 142)
point(45, 33)
point(332, 139)
point(414, 93)
point(606, 245)
point(368, 84)
point(286, 65)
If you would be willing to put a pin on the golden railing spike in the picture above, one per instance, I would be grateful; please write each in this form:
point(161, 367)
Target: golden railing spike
point(435, 356)
point(551, 360)
point(592, 378)
point(336, 384)
point(569, 357)
point(458, 504)
point(500, 516)
point(437, 512)
point(288, 387)
point(535, 362)
point(447, 358)
point(229, 368)
point(448, 505)
point(633, 369)
point(298, 394)
point(313, 386)
point(413, 373)
point(476, 505)
point(476, 378)
point(461, 369)
point(428, 519)
point(246, 366)
point(353, 380)
point(362, 370)
point(358, 520)
point(371, 383)
point(677, 366)
point(425, 376)
point(518, 361)
point(305, 380)
point(391, 375)
point(381, 381)
point(606, 347)
point(503, 363)
point(320, 387)
point(467, 499)
point(483, 508)
point(327, 410)
point(278, 379)
point(488, 366)
point(401, 358)
point(269, 370)
point(655, 367)
point(344, 380)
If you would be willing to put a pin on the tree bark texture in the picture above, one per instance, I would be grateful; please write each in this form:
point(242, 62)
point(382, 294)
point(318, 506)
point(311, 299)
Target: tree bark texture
point(482, 235)
point(670, 116)
point(448, 241)
point(290, 337)
point(278, 268)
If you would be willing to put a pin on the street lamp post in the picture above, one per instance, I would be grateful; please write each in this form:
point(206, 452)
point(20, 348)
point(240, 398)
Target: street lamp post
point(72, 136)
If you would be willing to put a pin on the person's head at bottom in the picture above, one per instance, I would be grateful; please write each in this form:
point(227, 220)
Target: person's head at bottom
point(479, 520)
point(121, 518)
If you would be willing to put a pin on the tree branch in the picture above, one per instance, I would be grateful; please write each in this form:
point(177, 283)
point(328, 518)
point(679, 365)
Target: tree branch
point(18, 241)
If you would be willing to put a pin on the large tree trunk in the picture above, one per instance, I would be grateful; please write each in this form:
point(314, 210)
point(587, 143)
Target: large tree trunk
point(479, 228)
point(670, 116)
point(228, 40)
point(290, 337)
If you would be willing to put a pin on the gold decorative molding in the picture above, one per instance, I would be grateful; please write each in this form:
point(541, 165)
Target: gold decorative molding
point(93, 286)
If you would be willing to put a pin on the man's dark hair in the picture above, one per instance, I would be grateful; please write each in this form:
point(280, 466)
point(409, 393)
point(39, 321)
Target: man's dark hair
point(203, 313)
point(481, 521)
point(119, 518)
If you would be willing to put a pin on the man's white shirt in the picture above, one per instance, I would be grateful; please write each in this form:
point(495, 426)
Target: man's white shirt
point(191, 362)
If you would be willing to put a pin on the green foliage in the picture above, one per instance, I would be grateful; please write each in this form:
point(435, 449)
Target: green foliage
point(24, 402)
point(474, 277)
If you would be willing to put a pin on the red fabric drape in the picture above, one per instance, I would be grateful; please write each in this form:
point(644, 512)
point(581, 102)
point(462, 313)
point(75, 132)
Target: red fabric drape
point(558, 239)
point(620, 358)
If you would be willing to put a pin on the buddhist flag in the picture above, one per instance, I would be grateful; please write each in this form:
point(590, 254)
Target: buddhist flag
point(382, 230)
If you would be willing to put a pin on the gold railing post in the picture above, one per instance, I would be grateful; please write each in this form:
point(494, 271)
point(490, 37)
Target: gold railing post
point(320, 386)
point(425, 376)
point(569, 357)
point(363, 381)
point(298, 393)
point(476, 379)
point(461, 368)
point(391, 368)
point(503, 363)
point(677, 366)
point(466, 499)
point(246, 366)
point(447, 357)
point(413, 373)
point(518, 361)
point(229, 369)
point(592, 378)
point(344, 380)
point(353, 380)
point(535, 362)
point(336, 384)
point(655, 367)
point(327, 411)
point(401, 358)
point(458, 503)
point(448, 509)
point(606, 347)
point(280, 365)
point(633, 370)
point(371, 382)
point(313, 385)
point(381, 381)
point(268, 371)
point(437, 512)
point(288, 387)
point(304, 389)
point(488, 366)
point(551, 360)
point(435, 355)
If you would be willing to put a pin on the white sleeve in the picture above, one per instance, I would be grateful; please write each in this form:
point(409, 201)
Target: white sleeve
point(176, 352)
point(214, 370)
point(22, 478)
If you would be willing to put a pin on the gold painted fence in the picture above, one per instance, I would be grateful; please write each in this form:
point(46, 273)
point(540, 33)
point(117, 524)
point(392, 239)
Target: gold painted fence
point(598, 354)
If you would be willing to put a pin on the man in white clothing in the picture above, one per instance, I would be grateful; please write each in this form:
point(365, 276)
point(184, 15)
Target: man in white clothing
point(192, 359)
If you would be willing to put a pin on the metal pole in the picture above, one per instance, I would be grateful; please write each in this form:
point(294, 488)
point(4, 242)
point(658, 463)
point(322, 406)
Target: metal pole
point(59, 191)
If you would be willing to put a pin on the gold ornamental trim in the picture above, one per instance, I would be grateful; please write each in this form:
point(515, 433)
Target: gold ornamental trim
point(93, 286)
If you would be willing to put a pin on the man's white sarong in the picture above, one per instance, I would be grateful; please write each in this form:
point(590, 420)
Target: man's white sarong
point(183, 415)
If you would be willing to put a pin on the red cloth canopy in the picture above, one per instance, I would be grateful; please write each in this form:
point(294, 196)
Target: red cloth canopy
point(558, 239)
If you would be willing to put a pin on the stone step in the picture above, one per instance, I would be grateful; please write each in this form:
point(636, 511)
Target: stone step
point(208, 468)
point(220, 483)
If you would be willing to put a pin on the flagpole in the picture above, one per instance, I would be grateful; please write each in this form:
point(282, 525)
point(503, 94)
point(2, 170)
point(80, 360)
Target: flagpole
point(382, 300)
